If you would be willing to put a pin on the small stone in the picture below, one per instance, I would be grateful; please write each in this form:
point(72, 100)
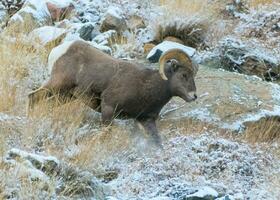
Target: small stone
point(86, 32)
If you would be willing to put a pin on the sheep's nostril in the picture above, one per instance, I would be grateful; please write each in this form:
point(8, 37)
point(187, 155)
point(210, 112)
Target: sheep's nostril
point(195, 96)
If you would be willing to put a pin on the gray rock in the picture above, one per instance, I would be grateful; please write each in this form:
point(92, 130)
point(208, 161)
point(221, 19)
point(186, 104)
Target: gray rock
point(3, 16)
point(33, 14)
point(248, 58)
point(113, 20)
point(86, 32)
point(12, 6)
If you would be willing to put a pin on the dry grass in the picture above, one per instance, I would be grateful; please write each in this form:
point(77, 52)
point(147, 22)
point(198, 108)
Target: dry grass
point(187, 20)
point(256, 3)
point(188, 7)
point(15, 61)
point(264, 130)
point(17, 27)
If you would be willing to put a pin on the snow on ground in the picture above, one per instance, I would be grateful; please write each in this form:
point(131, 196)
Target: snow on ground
point(46, 34)
point(191, 162)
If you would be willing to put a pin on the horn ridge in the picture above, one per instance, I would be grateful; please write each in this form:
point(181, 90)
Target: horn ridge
point(176, 54)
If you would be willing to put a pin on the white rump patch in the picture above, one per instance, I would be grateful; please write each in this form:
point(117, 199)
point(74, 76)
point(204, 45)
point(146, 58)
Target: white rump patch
point(57, 52)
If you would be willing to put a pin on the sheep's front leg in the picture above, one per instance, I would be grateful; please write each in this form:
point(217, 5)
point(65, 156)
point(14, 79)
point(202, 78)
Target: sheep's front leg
point(151, 129)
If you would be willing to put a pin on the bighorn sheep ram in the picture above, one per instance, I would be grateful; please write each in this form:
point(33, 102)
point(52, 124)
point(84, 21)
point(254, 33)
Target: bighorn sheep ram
point(118, 88)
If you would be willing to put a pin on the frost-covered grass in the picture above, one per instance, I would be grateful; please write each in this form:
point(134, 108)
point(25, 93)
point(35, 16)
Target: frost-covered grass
point(16, 59)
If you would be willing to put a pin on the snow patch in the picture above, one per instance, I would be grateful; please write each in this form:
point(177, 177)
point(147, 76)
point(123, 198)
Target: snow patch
point(27, 156)
point(204, 192)
point(167, 45)
point(47, 34)
point(115, 12)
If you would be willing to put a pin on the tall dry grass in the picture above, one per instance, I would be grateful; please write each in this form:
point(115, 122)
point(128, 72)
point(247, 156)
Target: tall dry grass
point(267, 129)
point(185, 6)
point(16, 61)
point(51, 128)
point(196, 22)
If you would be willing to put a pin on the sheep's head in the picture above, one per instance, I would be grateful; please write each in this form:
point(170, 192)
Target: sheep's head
point(179, 70)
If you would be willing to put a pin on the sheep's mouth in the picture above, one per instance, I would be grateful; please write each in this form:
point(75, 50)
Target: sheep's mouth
point(189, 96)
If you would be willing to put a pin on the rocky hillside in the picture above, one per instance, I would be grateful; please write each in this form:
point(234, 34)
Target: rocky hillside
point(223, 146)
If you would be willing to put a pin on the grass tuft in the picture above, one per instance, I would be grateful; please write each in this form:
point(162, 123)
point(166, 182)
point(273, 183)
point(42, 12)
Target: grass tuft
point(264, 130)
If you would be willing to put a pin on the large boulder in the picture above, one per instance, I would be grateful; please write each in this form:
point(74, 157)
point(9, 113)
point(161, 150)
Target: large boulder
point(32, 15)
point(113, 20)
point(227, 100)
point(59, 10)
point(248, 58)
point(158, 50)
point(35, 14)
point(48, 36)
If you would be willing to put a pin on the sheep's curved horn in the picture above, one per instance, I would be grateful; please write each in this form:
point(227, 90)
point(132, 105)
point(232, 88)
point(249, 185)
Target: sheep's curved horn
point(178, 55)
